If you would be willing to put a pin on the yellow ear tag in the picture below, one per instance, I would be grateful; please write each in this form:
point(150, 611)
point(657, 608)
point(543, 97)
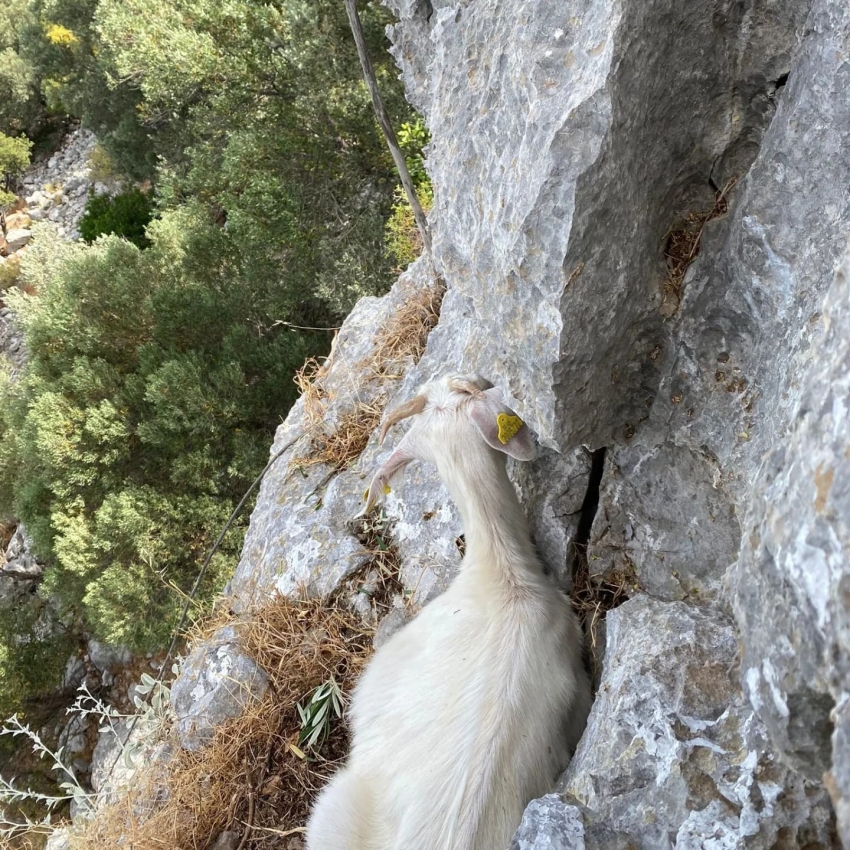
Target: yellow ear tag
point(365, 494)
point(508, 426)
point(387, 489)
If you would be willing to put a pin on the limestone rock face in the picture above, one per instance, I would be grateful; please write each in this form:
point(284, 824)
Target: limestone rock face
point(674, 754)
point(791, 585)
point(552, 824)
point(566, 140)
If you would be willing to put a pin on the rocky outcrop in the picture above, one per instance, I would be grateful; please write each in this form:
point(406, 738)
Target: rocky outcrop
point(553, 823)
point(573, 147)
point(217, 681)
point(56, 189)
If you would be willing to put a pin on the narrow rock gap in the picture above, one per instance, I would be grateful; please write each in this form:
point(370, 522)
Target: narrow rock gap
point(578, 549)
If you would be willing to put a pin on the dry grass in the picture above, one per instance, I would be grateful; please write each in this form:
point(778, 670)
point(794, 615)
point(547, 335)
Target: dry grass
point(594, 596)
point(683, 244)
point(309, 381)
point(345, 443)
point(401, 339)
point(253, 778)
point(405, 334)
point(381, 581)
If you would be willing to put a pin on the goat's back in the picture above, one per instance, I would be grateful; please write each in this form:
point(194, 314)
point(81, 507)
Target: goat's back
point(464, 716)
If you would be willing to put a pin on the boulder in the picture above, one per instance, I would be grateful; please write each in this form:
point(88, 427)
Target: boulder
point(18, 221)
point(17, 239)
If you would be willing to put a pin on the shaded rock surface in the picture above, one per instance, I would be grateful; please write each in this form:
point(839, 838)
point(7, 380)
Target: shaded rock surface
point(569, 141)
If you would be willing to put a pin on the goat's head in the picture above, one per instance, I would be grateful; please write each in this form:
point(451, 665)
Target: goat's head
point(452, 416)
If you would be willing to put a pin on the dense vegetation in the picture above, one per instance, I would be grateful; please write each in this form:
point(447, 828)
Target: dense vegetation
point(161, 362)
point(127, 214)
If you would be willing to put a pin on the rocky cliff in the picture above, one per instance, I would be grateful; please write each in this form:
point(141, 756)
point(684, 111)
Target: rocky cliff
point(640, 206)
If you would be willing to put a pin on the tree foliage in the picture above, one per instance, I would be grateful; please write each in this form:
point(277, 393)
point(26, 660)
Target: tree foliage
point(14, 158)
point(156, 377)
point(127, 215)
point(148, 406)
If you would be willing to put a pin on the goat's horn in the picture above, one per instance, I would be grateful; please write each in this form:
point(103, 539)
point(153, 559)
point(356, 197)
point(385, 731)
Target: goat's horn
point(462, 385)
point(409, 408)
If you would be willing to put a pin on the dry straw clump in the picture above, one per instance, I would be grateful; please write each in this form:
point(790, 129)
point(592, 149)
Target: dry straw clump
point(405, 333)
point(401, 339)
point(594, 596)
point(683, 244)
point(254, 778)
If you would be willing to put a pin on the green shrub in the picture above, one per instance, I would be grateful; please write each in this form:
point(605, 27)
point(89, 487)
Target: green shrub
point(14, 158)
point(403, 240)
point(20, 106)
point(127, 215)
point(153, 389)
point(412, 138)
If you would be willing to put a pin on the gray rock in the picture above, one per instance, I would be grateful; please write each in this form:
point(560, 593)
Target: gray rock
point(75, 672)
point(396, 619)
point(791, 585)
point(752, 306)
point(105, 657)
point(73, 738)
point(20, 560)
point(216, 682)
point(550, 823)
point(565, 141)
point(17, 239)
point(228, 840)
point(59, 839)
point(123, 748)
point(661, 517)
point(674, 755)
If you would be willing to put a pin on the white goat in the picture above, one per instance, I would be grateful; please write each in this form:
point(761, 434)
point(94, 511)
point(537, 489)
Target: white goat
point(473, 708)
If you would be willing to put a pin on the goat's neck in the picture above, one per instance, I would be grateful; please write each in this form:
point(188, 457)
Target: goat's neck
point(496, 532)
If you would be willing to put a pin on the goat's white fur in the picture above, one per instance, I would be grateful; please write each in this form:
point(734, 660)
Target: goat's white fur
point(474, 707)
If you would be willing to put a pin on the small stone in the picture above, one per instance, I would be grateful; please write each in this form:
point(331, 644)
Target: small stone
point(18, 221)
point(17, 238)
point(59, 840)
point(227, 840)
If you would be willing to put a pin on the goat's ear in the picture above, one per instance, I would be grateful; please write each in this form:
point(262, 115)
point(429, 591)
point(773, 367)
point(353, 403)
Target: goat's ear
point(380, 485)
point(501, 427)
